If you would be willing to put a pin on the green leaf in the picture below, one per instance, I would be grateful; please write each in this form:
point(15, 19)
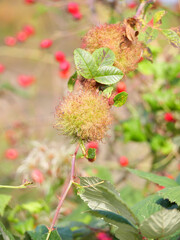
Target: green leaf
point(125, 231)
point(172, 36)
point(107, 92)
point(158, 16)
point(162, 181)
point(85, 63)
point(72, 81)
point(161, 224)
point(108, 75)
point(104, 57)
point(173, 194)
point(91, 153)
point(33, 207)
point(120, 99)
point(4, 200)
point(148, 206)
point(5, 233)
point(131, 195)
point(41, 232)
point(101, 195)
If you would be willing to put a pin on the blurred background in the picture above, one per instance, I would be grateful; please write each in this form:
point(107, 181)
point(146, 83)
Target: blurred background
point(37, 40)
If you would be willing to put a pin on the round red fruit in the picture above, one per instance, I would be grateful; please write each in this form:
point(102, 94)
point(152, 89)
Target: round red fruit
point(77, 15)
point(29, 30)
point(168, 117)
point(121, 87)
point(132, 5)
point(64, 74)
point(37, 176)
point(2, 68)
point(30, 1)
point(93, 145)
point(65, 65)
point(22, 36)
point(25, 80)
point(10, 41)
point(73, 7)
point(11, 154)
point(46, 43)
point(60, 56)
point(123, 161)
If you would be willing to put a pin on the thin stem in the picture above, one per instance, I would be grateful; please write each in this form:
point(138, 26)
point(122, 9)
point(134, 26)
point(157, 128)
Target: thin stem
point(64, 194)
point(25, 185)
point(141, 7)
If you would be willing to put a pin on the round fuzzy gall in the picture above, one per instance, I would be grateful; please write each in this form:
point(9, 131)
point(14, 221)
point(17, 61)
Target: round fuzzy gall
point(84, 115)
point(115, 37)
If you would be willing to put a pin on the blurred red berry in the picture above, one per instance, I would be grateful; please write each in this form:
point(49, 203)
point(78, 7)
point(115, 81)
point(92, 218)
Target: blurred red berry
point(169, 176)
point(2, 68)
point(64, 74)
point(30, 1)
point(121, 87)
point(46, 43)
point(151, 23)
point(22, 36)
point(103, 236)
point(123, 161)
point(37, 176)
point(25, 80)
point(168, 117)
point(11, 154)
point(65, 65)
point(10, 41)
point(132, 5)
point(29, 30)
point(77, 15)
point(60, 56)
point(73, 7)
point(93, 145)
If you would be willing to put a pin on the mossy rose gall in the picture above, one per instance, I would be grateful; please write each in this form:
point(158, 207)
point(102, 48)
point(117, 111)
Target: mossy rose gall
point(84, 115)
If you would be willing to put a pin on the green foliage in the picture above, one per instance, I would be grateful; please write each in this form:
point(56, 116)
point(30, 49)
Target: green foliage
point(72, 81)
point(120, 99)
point(97, 66)
point(101, 195)
point(161, 144)
point(91, 153)
point(161, 224)
point(162, 181)
point(104, 57)
point(4, 200)
point(157, 17)
point(5, 233)
point(172, 36)
point(108, 91)
point(173, 194)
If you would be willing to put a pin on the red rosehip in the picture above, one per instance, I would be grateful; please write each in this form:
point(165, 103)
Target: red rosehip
point(77, 15)
point(103, 236)
point(64, 74)
point(60, 56)
point(11, 154)
point(168, 117)
point(158, 187)
point(123, 161)
point(121, 87)
point(73, 7)
point(37, 176)
point(10, 41)
point(169, 176)
point(46, 43)
point(30, 1)
point(22, 36)
point(2, 68)
point(93, 145)
point(65, 65)
point(25, 80)
point(29, 30)
point(132, 5)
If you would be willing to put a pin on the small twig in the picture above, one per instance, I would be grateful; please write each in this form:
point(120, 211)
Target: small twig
point(64, 194)
point(24, 185)
point(141, 7)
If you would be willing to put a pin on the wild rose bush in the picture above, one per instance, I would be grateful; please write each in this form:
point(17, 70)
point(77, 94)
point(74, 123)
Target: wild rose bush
point(116, 63)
